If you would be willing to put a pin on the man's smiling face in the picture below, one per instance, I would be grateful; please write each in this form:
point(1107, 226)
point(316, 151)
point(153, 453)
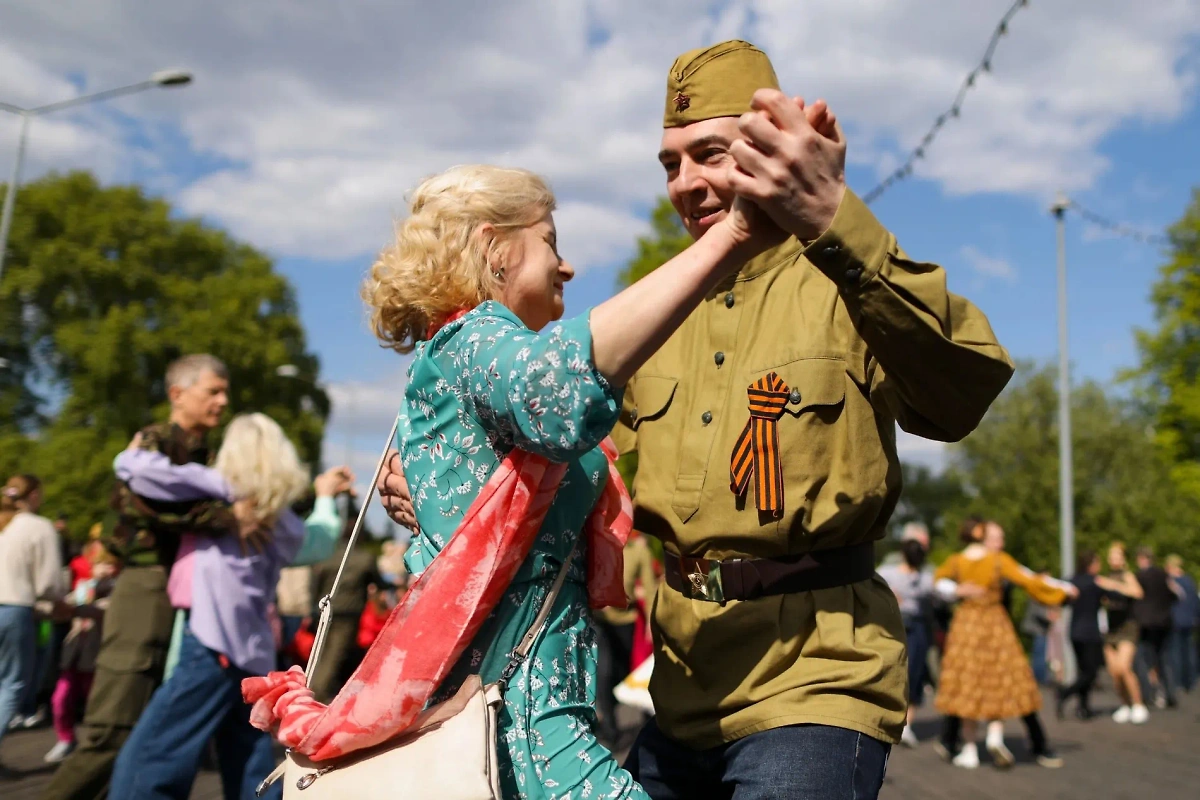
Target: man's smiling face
point(697, 162)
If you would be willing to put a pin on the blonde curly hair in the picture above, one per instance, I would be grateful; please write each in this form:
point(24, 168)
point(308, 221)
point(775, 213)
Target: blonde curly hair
point(261, 465)
point(441, 260)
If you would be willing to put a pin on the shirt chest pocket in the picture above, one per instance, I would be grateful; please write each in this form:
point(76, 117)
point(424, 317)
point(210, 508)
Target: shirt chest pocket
point(811, 385)
point(810, 428)
point(653, 395)
point(656, 422)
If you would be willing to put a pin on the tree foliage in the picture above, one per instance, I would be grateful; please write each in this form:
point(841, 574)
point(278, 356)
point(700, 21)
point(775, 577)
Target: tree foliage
point(667, 239)
point(102, 289)
point(928, 496)
point(1122, 484)
point(1168, 377)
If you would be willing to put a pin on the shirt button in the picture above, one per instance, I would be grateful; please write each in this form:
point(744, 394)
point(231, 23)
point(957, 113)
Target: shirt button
point(706, 417)
point(634, 413)
point(794, 397)
point(729, 300)
point(853, 274)
point(831, 251)
point(719, 357)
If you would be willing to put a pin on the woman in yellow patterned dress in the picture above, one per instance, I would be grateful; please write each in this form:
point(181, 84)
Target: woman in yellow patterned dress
point(985, 673)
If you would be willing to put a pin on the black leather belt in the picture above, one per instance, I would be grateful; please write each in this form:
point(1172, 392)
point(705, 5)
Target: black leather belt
point(750, 578)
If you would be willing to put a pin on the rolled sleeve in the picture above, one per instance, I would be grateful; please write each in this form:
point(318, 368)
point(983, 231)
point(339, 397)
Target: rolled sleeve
point(321, 530)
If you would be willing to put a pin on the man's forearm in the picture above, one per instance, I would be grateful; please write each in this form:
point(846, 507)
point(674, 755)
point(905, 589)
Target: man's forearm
point(939, 365)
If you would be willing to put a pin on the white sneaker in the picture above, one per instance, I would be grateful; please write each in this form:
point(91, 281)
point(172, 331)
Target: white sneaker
point(968, 758)
point(16, 722)
point(908, 738)
point(1122, 714)
point(59, 752)
point(1002, 757)
point(38, 719)
point(1139, 715)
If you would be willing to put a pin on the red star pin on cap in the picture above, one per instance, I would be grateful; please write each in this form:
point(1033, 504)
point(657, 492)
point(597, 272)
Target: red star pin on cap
point(682, 101)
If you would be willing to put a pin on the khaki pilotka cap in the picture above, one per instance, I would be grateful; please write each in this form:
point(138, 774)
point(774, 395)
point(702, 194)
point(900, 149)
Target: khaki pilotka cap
point(717, 81)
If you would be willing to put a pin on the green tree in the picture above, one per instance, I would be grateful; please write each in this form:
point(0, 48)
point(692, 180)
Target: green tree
point(103, 287)
point(926, 498)
point(667, 239)
point(1123, 490)
point(1168, 377)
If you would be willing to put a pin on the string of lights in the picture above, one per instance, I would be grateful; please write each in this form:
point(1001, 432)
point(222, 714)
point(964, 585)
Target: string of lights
point(1118, 228)
point(985, 65)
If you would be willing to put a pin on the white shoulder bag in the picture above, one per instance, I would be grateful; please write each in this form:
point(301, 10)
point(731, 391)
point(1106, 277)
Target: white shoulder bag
point(450, 751)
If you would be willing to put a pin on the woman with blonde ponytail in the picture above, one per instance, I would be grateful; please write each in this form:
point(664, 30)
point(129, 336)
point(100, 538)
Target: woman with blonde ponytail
point(30, 570)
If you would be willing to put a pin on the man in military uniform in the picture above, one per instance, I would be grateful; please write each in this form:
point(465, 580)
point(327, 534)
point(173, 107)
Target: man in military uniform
point(146, 536)
point(765, 429)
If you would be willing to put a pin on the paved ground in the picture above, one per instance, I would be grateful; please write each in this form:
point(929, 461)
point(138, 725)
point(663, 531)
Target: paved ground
point(1104, 761)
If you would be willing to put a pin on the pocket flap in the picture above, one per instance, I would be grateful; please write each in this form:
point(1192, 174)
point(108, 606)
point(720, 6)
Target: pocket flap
point(811, 382)
point(652, 394)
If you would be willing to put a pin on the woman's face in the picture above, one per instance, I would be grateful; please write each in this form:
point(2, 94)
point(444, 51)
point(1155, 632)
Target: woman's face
point(1116, 557)
point(534, 275)
point(993, 537)
point(33, 501)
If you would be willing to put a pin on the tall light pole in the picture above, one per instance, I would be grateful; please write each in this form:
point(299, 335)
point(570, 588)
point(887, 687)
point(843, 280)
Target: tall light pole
point(166, 78)
point(1066, 489)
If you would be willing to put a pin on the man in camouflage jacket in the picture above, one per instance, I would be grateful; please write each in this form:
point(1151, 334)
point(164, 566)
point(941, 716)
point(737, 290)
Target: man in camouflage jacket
point(145, 534)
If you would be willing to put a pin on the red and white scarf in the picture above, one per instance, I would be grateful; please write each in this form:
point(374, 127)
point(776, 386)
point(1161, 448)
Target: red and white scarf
point(443, 610)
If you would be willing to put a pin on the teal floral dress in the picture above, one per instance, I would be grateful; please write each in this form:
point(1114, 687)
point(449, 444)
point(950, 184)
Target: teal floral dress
point(483, 385)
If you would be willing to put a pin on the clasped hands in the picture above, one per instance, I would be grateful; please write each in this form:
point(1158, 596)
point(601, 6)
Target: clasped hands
point(789, 167)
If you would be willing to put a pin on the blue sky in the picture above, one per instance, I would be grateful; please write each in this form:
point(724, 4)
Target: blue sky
point(305, 129)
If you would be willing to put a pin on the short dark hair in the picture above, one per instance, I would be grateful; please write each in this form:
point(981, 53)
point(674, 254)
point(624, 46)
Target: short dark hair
point(913, 552)
point(1083, 561)
point(971, 530)
point(1146, 551)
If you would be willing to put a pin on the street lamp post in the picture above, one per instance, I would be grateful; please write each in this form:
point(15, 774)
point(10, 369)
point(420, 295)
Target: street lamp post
point(1066, 490)
point(166, 78)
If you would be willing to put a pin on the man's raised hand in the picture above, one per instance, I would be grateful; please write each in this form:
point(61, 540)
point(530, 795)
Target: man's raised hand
point(791, 163)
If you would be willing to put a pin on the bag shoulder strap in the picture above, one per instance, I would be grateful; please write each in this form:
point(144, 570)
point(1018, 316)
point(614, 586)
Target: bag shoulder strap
point(324, 603)
point(516, 657)
point(521, 652)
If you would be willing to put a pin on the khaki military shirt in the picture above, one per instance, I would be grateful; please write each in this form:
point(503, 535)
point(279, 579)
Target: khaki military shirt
point(864, 338)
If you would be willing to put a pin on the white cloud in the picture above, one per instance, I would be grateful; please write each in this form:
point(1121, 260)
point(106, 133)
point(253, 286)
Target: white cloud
point(986, 266)
point(312, 121)
point(320, 117)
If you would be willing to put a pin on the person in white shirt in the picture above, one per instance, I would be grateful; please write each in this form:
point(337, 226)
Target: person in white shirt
point(30, 570)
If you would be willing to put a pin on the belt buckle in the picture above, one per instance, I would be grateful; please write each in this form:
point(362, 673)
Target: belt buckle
point(702, 577)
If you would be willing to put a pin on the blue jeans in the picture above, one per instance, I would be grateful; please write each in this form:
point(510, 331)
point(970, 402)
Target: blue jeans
point(202, 700)
point(1181, 657)
point(1037, 658)
point(918, 659)
point(799, 762)
point(16, 659)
